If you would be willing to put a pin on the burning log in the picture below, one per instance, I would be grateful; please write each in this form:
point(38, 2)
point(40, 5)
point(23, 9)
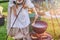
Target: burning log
point(43, 36)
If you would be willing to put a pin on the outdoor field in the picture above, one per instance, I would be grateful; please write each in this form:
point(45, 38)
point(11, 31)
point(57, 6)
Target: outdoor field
point(50, 29)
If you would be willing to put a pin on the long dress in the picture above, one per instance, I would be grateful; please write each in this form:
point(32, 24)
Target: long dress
point(23, 19)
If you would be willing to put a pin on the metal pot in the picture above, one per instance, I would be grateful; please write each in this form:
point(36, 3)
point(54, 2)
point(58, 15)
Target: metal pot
point(39, 27)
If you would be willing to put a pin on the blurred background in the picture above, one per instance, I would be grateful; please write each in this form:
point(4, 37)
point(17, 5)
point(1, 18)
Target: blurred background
point(43, 8)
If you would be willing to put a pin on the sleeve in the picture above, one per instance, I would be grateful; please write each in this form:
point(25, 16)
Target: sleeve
point(11, 3)
point(29, 4)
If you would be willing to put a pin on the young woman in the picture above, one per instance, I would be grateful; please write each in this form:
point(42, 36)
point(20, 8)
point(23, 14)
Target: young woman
point(21, 24)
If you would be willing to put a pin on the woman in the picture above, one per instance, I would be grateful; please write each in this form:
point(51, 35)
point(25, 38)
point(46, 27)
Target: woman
point(21, 24)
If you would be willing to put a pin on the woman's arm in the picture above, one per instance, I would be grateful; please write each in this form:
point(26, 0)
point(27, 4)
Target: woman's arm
point(31, 5)
point(36, 15)
point(35, 11)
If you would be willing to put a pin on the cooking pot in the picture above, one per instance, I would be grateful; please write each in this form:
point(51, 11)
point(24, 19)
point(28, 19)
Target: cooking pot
point(39, 26)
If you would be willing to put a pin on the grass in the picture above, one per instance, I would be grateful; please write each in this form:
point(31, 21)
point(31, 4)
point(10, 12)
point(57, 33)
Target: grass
point(5, 6)
point(5, 13)
point(3, 31)
point(49, 29)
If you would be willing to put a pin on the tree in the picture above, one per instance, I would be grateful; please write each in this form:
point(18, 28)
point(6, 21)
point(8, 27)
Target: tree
point(3, 1)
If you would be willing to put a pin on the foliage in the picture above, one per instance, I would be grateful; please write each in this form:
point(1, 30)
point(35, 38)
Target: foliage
point(5, 6)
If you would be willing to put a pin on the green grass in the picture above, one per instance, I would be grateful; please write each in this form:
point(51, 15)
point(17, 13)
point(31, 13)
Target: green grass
point(4, 13)
point(3, 33)
point(5, 6)
point(49, 29)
